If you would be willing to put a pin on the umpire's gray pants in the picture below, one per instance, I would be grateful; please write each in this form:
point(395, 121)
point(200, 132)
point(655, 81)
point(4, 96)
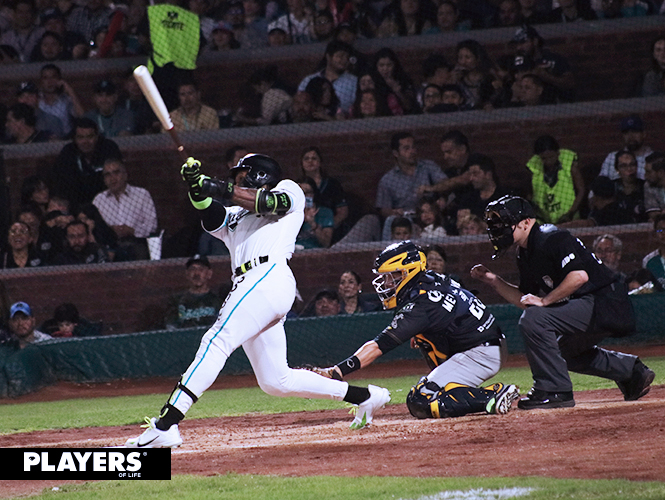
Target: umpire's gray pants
point(556, 341)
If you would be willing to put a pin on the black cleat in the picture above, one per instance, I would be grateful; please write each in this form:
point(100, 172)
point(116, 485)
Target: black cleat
point(638, 384)
point(537, 399)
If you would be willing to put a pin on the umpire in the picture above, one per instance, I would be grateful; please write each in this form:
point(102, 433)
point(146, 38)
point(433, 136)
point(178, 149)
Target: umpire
point(571, 301)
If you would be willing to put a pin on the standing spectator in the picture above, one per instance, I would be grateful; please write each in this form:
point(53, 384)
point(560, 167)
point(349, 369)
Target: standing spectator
point(21, 126)
point(318, 224)
point(329, 190)
point(551, 68)
point(430, 220)
point(58, 98)
point(475, 74)
point(351, 298)
point(22, 325)
point(21, 251)
point(572, 10)
point(655, 261)
point(629, 189)
point(485, 186)
point(556, 182)
point(296, 23)
point(28, 93)
point(99, 231)
point(608, 248)
point(336, 72)
point(654, 81)
point(393, 77)
point(406, 17)
point(77, 172)
point(324, 98)
point(24, 35)
point(654, 188)
point(192, 114)
point(112, 120)
point(633, 135)
point(199, 305)
point(128, 210)
point(93, 16)
point(79, 249)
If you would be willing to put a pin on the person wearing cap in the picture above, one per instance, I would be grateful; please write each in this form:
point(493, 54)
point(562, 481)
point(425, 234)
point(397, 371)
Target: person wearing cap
point(192, 113)
point(22, 325)
point(112, 120)
point(571, 302)
point(21, 126)
point(27, 93)
point(633, 135)
point(222, 37)
point(551, 68)
point(198, 305)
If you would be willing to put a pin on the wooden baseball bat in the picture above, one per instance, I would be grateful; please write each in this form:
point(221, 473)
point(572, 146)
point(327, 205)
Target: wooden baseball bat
point(149, 89)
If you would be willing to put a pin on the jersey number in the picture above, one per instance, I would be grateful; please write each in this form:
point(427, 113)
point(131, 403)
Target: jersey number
point(477, 309)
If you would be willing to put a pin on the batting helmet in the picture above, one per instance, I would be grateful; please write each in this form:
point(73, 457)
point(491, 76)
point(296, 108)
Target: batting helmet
point(501, 215)
point(261, 170)
point(396, 266)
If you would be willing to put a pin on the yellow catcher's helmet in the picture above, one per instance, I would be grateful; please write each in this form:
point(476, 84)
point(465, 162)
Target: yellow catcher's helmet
point(396, 266)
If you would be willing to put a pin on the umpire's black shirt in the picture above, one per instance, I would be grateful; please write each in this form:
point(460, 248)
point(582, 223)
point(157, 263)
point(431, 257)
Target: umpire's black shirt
point(449, 316)
point(552, 253)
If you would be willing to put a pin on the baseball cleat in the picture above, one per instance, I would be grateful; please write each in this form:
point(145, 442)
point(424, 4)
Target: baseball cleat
point(378, 397)
point(638, 384)
point(537, 399)
point(152, 437)
point(504, 398)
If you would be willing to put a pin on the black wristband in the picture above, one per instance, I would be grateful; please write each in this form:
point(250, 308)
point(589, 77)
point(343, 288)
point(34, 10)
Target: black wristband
point(349, 365)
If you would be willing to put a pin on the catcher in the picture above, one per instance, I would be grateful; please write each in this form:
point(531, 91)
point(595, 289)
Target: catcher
point(459, 338)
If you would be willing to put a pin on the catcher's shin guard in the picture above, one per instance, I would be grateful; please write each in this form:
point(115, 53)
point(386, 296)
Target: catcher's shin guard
point(421, 397)
point(428, 400)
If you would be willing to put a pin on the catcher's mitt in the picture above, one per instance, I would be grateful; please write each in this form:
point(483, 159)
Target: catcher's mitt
point(330, 372)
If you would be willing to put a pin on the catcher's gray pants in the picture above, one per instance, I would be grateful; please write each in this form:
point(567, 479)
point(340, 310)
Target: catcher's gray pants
point(556, 341)
point(472, 367)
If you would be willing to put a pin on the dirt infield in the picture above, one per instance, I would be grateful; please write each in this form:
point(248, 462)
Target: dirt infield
point(602, 437)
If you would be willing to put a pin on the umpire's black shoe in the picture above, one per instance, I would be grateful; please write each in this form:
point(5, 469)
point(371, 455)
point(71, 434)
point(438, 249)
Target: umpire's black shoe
point(638, 384)
point(537, 399)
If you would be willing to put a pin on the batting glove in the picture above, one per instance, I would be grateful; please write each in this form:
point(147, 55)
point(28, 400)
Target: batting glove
point(191, 174)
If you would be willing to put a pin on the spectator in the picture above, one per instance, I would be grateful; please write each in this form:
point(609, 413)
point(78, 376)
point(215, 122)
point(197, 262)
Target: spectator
point(357, 18)
point(572, 10)
point(326, 103)
point(336, 72)
point(93, 16)
point(430, 220)
point(351, 298)
point(5, 304)
point(206, 23)
point(551, 68)
point(432, 99)
point(77, 172)
point(369, 104)
point(605, 208)
point(21, 126)
point(532, 91)
point(302, 108)
point(58, 98)
point(357, 60)
point(21, 251)
point(99, 231)
point(54, 21)
point(112, 120)
point(370, 80)
point(437, 71)
point(629, 189)
point(53, 230)
point(133, 100)
point(633, 135)
point(654, 261)
point(654, 188)
point(8, 55)
point(326, 303)
point(642, 281)
point(22, 325)
point(79, 249)
point(27, 93)
point(24, 34)
point(456, 151)
point(232, 156)
point(296, 23)
point(398, 189)
point(34, 191)
point(222, 38)
point(128, 210)
point(66, 322)
point(475, 74)
point(530, 14)
point(318, 225)
point(436, 259)
point(406, 17)
point(556, 182)
point(470, 224)
point(452, 98)
point(253, 33)
point(392, 76)
point(199, 305)
point(32, 216)
point(401, 229)
point(485, 186)
point(323, 26)
point(508, 14)
point(608, 248)
point(329, 191)
point(654, 80)
point(192, 114)
point(447, 19)
point(50, 48)
point(277, 37)
point(275, 102)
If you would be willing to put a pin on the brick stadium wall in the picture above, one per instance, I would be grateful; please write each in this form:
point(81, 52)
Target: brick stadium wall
point(130, 297)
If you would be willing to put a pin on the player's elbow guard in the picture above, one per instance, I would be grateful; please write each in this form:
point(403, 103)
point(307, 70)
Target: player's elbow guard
point(272, 202)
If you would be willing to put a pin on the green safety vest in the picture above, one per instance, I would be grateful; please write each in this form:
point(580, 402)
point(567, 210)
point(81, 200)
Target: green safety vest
point(557, 200)
point(174, 34)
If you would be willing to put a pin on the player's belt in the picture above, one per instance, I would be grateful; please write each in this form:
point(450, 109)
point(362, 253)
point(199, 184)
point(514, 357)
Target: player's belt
point(251, 264)
point(496, 342)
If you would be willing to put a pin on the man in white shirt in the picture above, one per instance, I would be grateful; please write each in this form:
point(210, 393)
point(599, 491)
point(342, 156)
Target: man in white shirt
point(632, 131)
point(128, 210)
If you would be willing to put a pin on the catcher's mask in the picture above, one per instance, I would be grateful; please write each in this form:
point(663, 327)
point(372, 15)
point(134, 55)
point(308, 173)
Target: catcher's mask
point(502, 216)
point(261, 170)
point(396, 266)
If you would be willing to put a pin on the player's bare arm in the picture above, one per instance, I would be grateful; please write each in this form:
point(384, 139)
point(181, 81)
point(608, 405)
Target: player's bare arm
point(507, 290)
point(570, 284)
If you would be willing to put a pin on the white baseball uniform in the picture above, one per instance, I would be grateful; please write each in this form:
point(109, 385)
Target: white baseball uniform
point(252, 316)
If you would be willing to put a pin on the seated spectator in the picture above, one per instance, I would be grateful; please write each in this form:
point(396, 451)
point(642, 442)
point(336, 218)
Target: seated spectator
point(79, 249)
point(66, 322)
point(530, 14)
point(94, 15)
point(53, 229)
point(28, 93)
point(447, 19)
point(21, 251)
point(369, 104)
point(452, 98)
point(296, 23)
point(326, 303)
point(432, 99)
point(557, 186)
point(32, 217)
point(605, 208)
point(629, 188)
point(77, 171)
point(275, 102)
point(406, 17)
point(58, 97)
point(192, 114)
point(437, 71)
point(654, 261)
point(112, 120)
point(5, 304)
point(324, 99)
point(302, 108)
point(21, 126)
point(508, 14)
point(221, 38)
point(470, 224)
point(351, 298)
point(608, 248)
point(633, 136)
point(485, 185)
point(401, 229)
point(370, 80)
point(532, 91)
point(323, 26)
point(199, 305)
point(54, 21)
point(329, 191)
point(253, 33)
point(572, 10)
point(277, 37)
point(22, 325)
point(35, 191)
point(654, 80)
point(430, 220)
point(50, 48)
point(654, 187)
point(128, 210)
point(642, 281)
point(24, 34)
point(317, 227)
point(392, 76)
point(436, 259)
point(99, 231)
point(475, 73)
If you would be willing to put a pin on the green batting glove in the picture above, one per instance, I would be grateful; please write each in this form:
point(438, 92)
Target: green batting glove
point(191, 174)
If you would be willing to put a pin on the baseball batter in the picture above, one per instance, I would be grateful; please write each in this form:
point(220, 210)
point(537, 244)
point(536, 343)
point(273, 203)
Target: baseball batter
point(258, 216)
point(458, 336)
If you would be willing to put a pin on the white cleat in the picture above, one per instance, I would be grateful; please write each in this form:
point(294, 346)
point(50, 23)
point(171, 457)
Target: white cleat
point(152, 437)
point(378, 397)
point(505, 398)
